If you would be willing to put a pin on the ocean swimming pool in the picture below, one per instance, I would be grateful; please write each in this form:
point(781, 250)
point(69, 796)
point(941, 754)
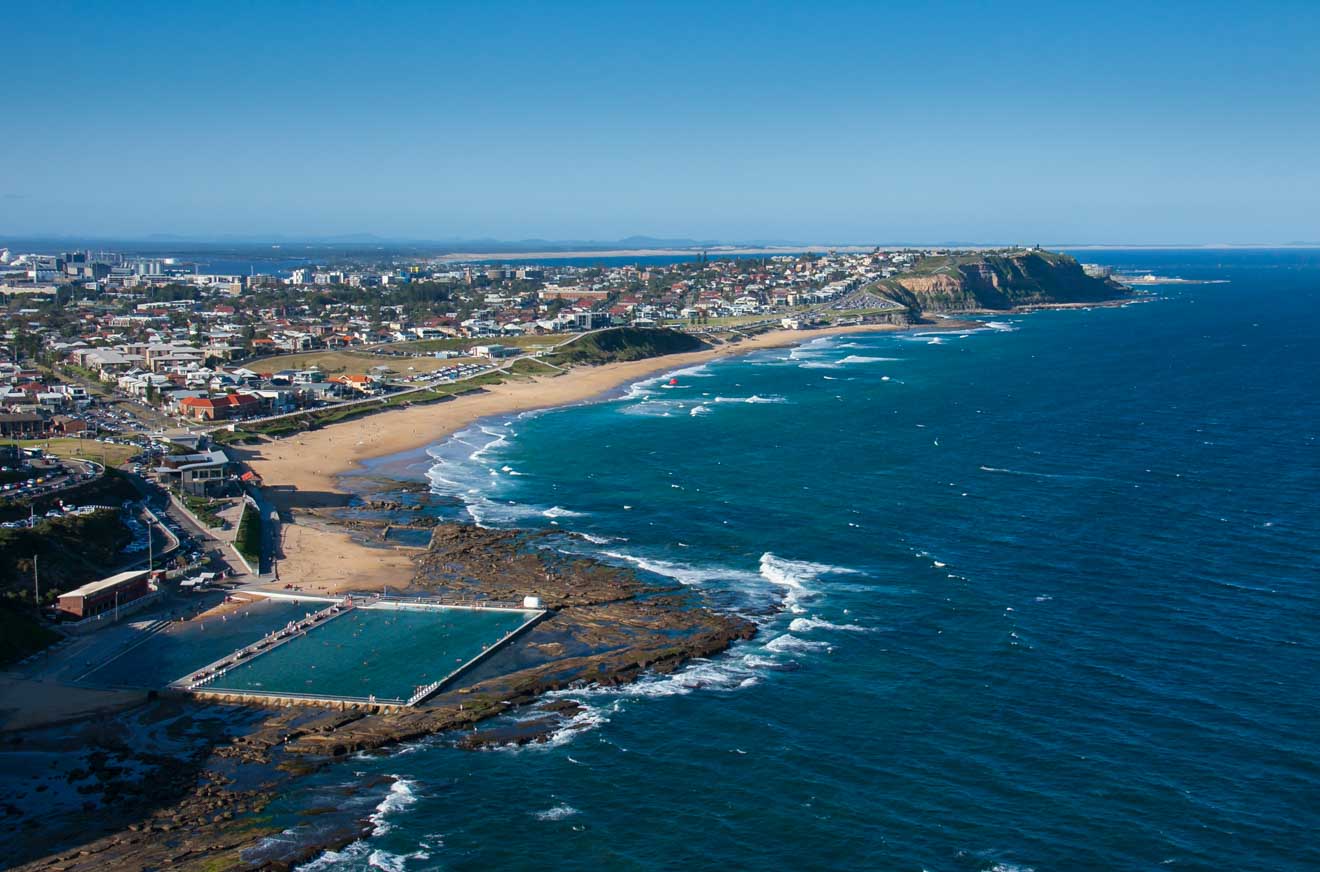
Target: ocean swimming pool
point(382, 650)
point(183, 647)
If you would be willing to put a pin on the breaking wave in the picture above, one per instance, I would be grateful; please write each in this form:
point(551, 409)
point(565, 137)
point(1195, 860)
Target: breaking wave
point(789, 642)
point(804, 625)
point(861, 358)
point(556, 813)
point(682, 573)
point(796, 576)
point(399, 797)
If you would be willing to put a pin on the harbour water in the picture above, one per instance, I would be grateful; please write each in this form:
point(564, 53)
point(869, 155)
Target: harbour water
point(1039, 595)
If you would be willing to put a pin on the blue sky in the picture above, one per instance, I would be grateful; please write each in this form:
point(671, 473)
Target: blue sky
point(823, 122)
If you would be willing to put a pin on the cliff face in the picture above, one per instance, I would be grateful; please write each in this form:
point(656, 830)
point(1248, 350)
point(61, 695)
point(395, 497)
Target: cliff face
point(1000, 281)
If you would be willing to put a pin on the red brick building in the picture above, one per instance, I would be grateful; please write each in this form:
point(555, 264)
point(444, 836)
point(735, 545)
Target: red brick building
point(218, 408)
point(102, 596)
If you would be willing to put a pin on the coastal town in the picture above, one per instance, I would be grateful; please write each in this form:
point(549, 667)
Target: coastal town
point(171, 347)
point(553, 436)
point(187, 347)
point(144, 381)
point(174, 519)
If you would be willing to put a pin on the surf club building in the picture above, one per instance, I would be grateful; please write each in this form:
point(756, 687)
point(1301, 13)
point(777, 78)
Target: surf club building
point(99, 597)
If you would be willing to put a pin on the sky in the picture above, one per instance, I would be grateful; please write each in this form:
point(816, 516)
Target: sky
point(871, 122)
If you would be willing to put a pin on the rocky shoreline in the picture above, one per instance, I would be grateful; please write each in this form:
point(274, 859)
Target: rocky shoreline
point(207, 808)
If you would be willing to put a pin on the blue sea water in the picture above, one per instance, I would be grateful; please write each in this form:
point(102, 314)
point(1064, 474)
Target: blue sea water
point(1041, 595)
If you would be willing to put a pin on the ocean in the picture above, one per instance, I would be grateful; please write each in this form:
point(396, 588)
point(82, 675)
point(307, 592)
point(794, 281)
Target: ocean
point(1039, 595)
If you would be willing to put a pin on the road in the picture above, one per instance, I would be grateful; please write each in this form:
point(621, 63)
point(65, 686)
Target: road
point(426, 386)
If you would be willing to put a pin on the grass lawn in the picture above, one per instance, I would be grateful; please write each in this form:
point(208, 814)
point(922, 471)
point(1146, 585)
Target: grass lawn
point(331, 414)
point(528, 342)
point(334, 363)
point(527, 366)
point(84, 449)
point(205, 509)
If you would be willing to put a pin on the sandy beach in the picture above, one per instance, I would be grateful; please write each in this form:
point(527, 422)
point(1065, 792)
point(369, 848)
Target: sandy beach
point(301, 472)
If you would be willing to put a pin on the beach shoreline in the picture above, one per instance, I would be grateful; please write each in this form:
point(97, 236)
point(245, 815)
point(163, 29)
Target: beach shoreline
point(335, 449)
point(302, 474)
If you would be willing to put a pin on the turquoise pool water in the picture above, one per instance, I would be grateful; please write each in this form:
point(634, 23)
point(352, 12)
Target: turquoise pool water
point(182, 648)
point(385, 652)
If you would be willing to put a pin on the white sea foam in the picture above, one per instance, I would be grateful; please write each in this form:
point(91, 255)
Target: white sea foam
point(723, 674)
point(498, 438)
point(379, 859)
point(861, 358)
point(817, 364)
point(486, 512)
point(588, 718)
point(685, 574)
point(463, 470)
point(646, 387)
point(795, 576)
point(352, 855)
point(651, 408)
point(556, 813)
point(699, 410)
point(399, 798)
point(639, 390)
point(561, 512)
point(1001, 326)
point(791, 643)
point(701, 370)
point(806, 625)
point(1030, 474)
point(754, 399)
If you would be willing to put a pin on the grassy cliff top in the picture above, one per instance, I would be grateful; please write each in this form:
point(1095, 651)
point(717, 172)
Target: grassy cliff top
point(625, 343)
